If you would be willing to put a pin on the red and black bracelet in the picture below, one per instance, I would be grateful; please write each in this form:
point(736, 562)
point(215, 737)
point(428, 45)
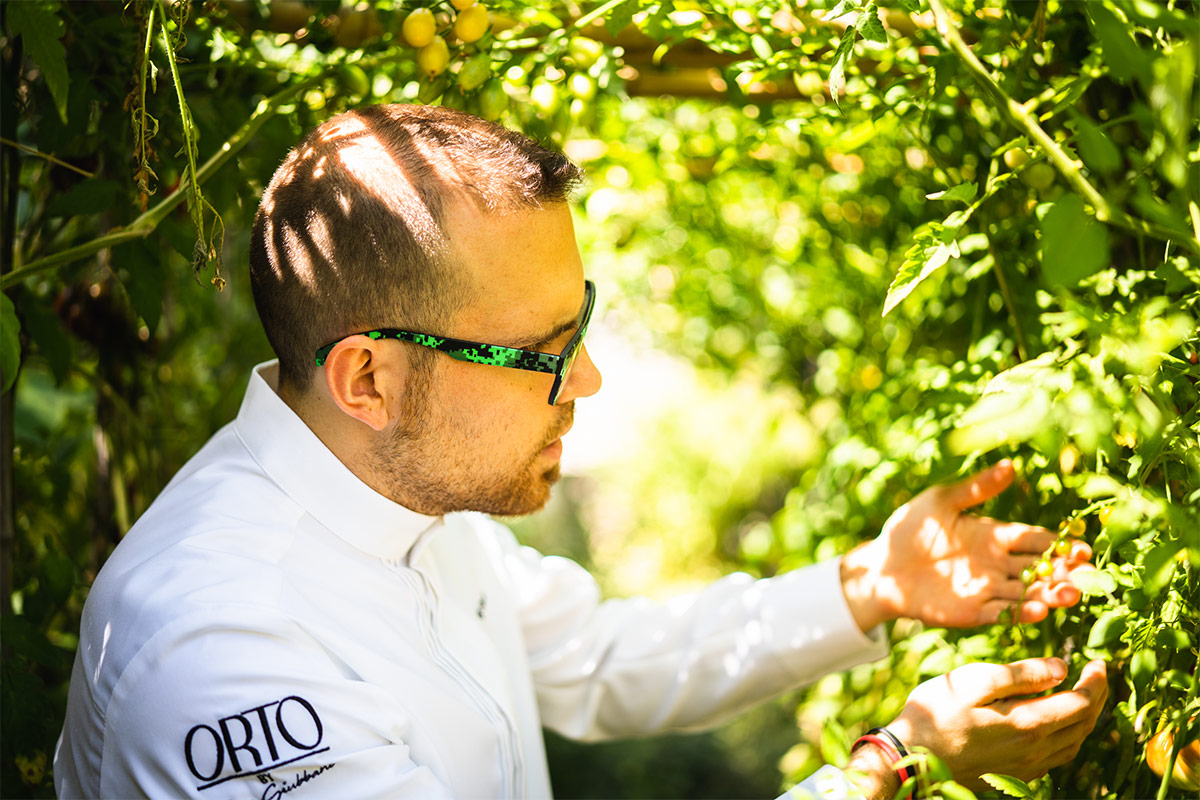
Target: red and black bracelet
point(886, 741)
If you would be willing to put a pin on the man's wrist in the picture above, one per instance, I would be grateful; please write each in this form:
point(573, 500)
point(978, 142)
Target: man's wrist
point(872, 772)
point(861, 580)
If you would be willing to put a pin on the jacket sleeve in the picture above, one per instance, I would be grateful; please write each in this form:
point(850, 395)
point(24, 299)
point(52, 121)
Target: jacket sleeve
point(634, 667)
point(827, 783)
point(255, 710)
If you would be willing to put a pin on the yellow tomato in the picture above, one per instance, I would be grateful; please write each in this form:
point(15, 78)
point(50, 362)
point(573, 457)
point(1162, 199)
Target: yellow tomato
point(1074, 527)
point(1186, 774)
point(471, 23)
point(420, 28)
point(461, 4)
point(433, 57)
point(1104, 514)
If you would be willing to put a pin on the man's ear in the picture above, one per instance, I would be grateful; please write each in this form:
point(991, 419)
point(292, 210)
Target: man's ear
point(356, 372)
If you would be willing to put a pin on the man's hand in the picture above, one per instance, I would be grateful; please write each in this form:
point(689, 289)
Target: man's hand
point(980, 718)
point(934, 563)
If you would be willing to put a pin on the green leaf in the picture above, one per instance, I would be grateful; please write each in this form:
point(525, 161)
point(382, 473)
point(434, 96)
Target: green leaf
point(923, 259)
point(1097, 150)
point(1093, 581)
point(620, 17)
point(837, 73)
point(965, 192)
point(843, 8)
point(46, 331)
point(955, 791)
point(1107, 629)
point(10, 343)
point(89, 196)
point(835, 744)
point(911, 6)
point(142, 270)
point(1121, 53)
point(1159, 566)
point(1013, 787)
point(1074, 244)
point(40, 28)
point(870, 25)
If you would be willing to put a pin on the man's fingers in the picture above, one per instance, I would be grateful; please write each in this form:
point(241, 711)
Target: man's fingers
point(1094, 680)
point(980, 487)
point(1019, 538)
point(991, 682)
point(991, 611)
point(1015, 565)
point(1058, 594)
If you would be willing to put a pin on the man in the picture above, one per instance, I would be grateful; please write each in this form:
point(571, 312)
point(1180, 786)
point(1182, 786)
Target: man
point(312, 605)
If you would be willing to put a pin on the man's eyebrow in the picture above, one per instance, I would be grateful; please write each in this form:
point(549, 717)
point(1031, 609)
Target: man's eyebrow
point(549, 336)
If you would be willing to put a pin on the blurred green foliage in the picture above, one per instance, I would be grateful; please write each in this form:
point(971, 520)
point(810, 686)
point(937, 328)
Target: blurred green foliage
point(1017, 188)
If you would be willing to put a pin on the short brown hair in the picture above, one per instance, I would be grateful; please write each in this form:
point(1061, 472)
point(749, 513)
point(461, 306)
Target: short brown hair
point(350, 233)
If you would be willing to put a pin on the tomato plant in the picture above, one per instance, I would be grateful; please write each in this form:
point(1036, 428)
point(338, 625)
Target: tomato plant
point(945, 231)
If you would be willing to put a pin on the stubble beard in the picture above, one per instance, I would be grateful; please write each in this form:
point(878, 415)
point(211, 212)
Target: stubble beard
point(426, 469)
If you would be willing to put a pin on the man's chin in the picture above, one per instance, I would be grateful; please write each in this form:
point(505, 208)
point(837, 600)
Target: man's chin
point(531, 501)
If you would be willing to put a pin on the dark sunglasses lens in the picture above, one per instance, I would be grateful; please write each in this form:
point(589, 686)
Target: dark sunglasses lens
point(568, 364)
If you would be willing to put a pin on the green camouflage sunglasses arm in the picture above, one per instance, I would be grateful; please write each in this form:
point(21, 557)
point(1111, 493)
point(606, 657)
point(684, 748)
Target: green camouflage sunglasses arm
point(463, 350)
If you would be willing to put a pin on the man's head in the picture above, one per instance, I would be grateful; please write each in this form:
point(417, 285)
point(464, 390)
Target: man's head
point(351, 232)
point(429, 220)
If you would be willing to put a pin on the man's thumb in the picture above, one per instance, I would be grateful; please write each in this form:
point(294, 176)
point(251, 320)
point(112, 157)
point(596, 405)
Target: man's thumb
point(980, 487)
point(1023, 677)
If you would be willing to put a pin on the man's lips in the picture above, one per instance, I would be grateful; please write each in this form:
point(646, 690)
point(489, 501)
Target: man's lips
point(554, 449)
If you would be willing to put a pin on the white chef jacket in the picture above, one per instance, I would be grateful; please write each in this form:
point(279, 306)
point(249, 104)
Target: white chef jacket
point(273, 627)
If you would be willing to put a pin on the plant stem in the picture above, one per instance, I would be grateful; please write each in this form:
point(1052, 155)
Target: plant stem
point(141, 135)
point(47, 157)
point(145, 224)
point(1006, 293)
point(586, 19)
point(1023, 121)
point(185, 118)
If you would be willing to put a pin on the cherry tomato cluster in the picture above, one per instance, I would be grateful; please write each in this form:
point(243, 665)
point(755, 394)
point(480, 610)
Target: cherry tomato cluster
point(1069, 529)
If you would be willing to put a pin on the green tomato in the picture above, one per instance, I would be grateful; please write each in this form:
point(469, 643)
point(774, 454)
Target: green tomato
point(584, 51)
point(1015, 157)
point(354, 79)
point(475, 72)
point(544, 96)
point(493, 100)
point(1039, 176)
point(1136, 598)
point(582, 86)
point(1143, 668)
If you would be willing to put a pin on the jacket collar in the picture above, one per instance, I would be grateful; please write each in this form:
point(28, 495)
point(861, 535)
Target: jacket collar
point(292, 455)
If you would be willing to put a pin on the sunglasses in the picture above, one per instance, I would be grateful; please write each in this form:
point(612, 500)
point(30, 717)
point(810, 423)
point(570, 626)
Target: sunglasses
point(559, 365)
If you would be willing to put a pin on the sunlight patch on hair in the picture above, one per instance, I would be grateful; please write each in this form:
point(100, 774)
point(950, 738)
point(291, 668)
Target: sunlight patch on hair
point(367, 160)
point(298, 257)
point(320, 235)
point(269, 242)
